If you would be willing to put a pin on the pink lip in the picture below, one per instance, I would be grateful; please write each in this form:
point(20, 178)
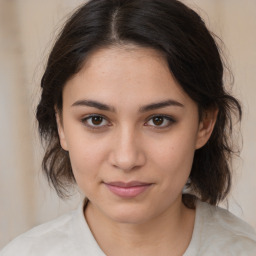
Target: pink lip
point(127, 190)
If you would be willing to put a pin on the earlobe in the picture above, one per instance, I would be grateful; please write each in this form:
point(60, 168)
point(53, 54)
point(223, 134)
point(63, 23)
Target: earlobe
point(206, 127)
point(61, 133)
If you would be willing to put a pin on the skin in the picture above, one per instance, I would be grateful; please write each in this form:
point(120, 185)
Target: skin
point(125, 143)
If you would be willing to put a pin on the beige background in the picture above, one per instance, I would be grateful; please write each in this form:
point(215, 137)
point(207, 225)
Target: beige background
point(27, 31)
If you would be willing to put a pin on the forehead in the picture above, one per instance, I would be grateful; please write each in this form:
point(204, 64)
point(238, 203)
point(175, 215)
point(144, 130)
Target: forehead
point(118, 73)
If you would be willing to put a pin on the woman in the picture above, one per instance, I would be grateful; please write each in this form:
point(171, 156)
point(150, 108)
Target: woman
point(134, 111)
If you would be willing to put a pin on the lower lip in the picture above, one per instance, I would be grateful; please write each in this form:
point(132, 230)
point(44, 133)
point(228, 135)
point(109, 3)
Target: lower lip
point(128, 192)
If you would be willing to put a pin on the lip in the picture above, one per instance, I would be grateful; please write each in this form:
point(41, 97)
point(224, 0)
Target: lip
point(127, 189)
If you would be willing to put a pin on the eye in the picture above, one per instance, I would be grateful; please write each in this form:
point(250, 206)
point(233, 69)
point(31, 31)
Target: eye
point(160, 121)
point(95, 121)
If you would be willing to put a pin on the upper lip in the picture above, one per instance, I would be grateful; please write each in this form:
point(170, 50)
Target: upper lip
point(127, 184)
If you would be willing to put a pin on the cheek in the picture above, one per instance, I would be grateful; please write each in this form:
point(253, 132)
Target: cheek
point(173, 157)
point(85, 163)
point(86, 156)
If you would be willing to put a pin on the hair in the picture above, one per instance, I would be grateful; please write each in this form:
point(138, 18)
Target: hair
point(193, 57)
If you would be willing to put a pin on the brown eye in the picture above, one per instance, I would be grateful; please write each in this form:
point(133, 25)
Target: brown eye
point(158, 120)
point(96, 120)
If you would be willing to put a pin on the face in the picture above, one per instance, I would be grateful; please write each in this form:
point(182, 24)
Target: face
point(131, 132)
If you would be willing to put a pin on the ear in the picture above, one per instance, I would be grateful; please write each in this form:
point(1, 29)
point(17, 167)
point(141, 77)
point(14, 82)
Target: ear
point(61, 132)
point(206, 126)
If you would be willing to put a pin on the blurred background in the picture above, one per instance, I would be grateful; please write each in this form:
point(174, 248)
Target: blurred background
point(27, 32)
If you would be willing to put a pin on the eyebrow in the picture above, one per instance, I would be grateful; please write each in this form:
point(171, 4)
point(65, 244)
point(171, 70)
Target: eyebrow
point(94, 104)
point(161, 104)
point(149, 107)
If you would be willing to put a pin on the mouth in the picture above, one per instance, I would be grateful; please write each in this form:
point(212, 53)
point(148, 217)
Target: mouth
point(129, 189)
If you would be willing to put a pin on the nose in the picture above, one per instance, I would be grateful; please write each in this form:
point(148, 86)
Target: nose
point(127, 151)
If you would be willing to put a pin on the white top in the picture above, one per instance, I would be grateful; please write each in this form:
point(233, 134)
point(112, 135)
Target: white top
point(216, 232)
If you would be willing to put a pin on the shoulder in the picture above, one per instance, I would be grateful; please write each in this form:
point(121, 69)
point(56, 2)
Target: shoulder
point(221, 231)
point(37, 241)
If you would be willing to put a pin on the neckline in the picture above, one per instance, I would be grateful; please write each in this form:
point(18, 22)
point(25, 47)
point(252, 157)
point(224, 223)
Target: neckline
point(82, 225)
point(192, 249)
point(83, 237)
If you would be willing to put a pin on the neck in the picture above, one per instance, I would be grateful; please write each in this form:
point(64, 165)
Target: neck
point(167, 233)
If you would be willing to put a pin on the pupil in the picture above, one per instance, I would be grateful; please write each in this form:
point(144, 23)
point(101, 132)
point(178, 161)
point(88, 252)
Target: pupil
point(96, 120)
point(158, 120)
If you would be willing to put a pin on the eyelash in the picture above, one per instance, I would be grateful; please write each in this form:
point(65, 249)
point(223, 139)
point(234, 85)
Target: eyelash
point(85, 121)
point(167, 118)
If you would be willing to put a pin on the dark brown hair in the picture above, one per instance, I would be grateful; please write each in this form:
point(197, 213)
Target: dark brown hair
point(193, 57)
